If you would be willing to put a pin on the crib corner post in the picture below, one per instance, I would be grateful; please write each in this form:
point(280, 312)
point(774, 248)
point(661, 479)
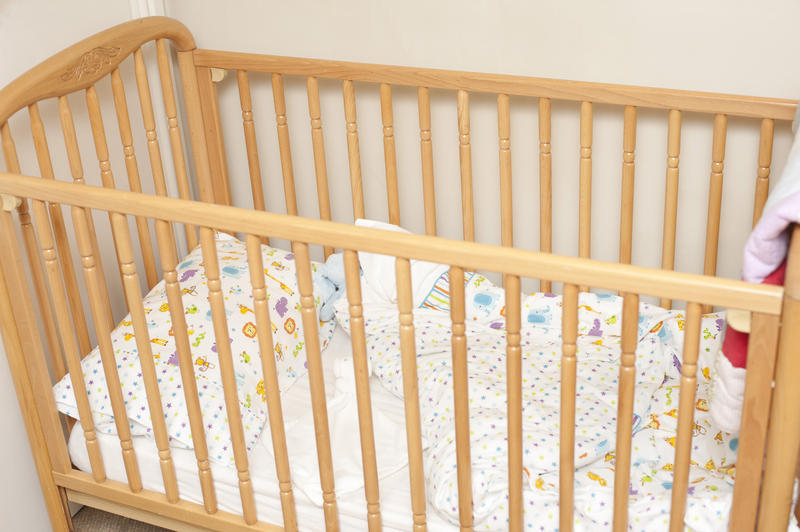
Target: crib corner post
point(783, 442)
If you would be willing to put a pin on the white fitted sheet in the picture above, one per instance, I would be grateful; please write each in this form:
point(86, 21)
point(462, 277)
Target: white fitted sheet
point(394, 489)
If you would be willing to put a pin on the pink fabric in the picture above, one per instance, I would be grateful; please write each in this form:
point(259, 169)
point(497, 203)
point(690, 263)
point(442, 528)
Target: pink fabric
point(768, 243)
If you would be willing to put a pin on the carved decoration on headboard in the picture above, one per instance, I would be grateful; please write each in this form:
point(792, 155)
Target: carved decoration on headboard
point(90, 63)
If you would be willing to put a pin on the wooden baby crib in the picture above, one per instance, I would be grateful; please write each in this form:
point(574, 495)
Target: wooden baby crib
point(45, 343)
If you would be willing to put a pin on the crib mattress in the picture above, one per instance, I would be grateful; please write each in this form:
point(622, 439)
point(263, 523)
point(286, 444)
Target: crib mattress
point(707, 508)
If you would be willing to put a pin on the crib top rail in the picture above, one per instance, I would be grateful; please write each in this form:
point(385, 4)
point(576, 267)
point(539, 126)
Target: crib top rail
point(694, 101)
point(623, 277)
point(84, 63)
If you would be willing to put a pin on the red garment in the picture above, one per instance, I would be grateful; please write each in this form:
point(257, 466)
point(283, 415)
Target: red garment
point(734, 346)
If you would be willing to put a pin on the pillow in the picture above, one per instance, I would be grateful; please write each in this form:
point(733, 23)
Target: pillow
point(379, 271)
point(287, 333)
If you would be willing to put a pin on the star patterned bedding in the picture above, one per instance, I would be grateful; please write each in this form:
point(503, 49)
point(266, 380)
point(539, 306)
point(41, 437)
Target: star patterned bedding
point(289, 352)
point(658, 359)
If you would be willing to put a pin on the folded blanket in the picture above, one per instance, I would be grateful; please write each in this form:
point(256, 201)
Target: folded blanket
point(764, 262)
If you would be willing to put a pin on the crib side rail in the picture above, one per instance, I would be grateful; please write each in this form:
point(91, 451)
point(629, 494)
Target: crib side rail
point(763, 301)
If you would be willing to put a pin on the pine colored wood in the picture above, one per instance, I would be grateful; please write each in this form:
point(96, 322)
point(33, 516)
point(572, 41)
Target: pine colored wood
point(149, 121)
point(153, 502)
point(283, 142)
point(361, 370)
point(132, 168)
point(227, 372)
point(59, 516)
point(353, 153)
point(566, 464)
point(169, 263)
point(506, 199)
point(408, 352)
point(34, 261)
point(461, 397)
point(683, 440)
point(721, 292)
point(762, 350)
point(251, 145)
point(465, 159)
point(627, 380)
point(72, 351)
point(305, 286)
point(715, 197)
point(389, 155)
point(514, 407)
point(197, 134)
point(764, 161)
point(671, 197)
point(133, 295)
point(628, 168)
point(585, 199)
point(266, 346)
point(103, 331)
point(320, 165)
point(76, 169)
point(703, 102)
point(212, 123)
point(60, 232)
point(545, 186)
point(175, 136)
point(783, 439)
point(84, 63)
point(426, 154)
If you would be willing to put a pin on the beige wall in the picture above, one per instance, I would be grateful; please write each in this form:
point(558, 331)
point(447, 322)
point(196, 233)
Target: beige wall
point(715, 46)
point(30, 31)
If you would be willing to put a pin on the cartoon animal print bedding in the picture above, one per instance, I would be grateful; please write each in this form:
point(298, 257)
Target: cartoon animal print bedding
point(654, 425)
point(287, 330)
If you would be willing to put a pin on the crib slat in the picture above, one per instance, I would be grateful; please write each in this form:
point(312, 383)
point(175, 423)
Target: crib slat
point(408, 352)
point(175, 138)
point(506, 201)
point(426, 152)
point(465, 160)
point(715, 197)
point(318, 142)
point(133, 296)
point(60, 233)
point(514, 407)
point(585, 200)
point(169, 262)
point(283, 143)
point(353, 154)
point(545, 186)
point(103, 330)
point(361, 369)
point(266, 346)
point(34, 262)
point(249, 127)
point(461, 397)
point(763, 347)
point(149, 121)
point(566, 466)
point(222, 339)
point(627, 378)
point(316, 378)
point(76, 168)
point(671, 196)
point(764, 161)
point(389, 155)
point(72, 351)
point(683, 441)
point(212, 123)
point(132, 169)
point(628, 168)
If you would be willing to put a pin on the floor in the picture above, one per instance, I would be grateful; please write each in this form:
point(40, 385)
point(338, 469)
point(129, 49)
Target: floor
point(93, 520)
